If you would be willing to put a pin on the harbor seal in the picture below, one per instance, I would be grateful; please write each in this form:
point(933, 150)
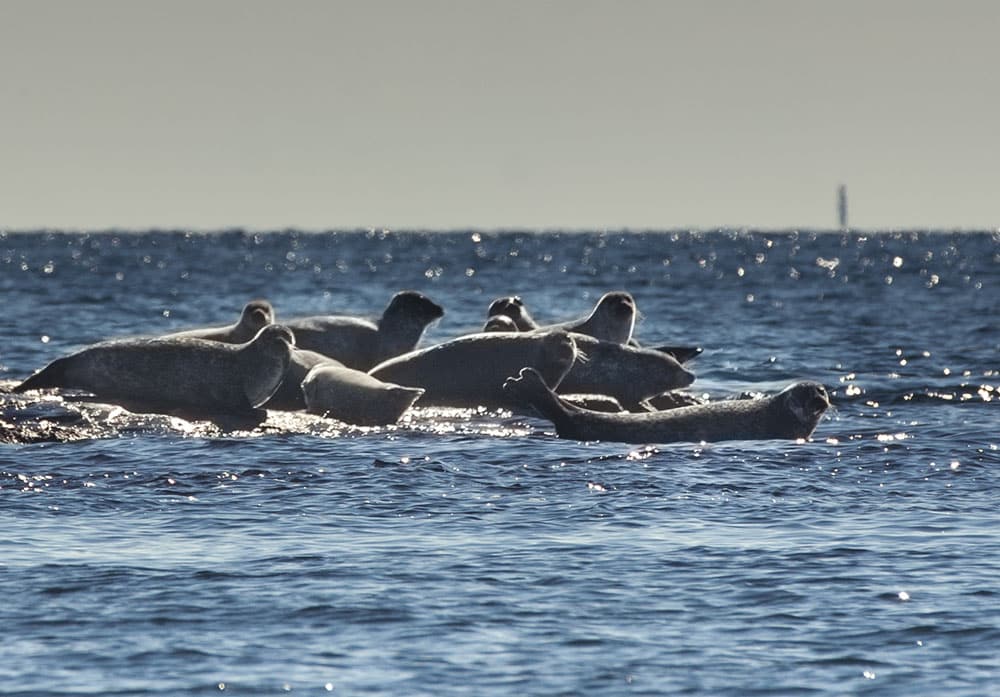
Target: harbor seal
point(355, 397)
point(629, 374)
point(500, 323)
point(512, 307)
point(792, 413)
point(256, 315)
point(469, 371)
point(190, 377)
point(361, 343)
point(610, 319)
point(289, 395)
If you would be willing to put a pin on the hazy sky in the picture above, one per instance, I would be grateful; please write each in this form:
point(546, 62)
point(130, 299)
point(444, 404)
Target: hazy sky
point(434, 114)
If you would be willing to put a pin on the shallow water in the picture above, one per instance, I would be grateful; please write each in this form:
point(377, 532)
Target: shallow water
point(476, 553)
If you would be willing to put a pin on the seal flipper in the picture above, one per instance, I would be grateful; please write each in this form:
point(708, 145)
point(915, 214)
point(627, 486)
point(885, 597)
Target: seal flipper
point(52, 375)
point(264, 362)
point(260, 384)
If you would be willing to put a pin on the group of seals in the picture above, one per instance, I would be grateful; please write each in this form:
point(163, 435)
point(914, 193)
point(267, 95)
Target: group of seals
point(612, 319)
point(239, 371)
point(367, 372)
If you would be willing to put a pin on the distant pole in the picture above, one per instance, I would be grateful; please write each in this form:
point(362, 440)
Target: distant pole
point(842, 206)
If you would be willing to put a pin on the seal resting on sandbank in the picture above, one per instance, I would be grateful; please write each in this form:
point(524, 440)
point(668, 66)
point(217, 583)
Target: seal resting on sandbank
point(470, 371)
point(189, 377)
point(362, 343)
point(792, 413)
point(355, 397)
point(256, 315)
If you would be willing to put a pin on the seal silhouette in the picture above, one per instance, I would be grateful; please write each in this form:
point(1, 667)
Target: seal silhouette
point(362, 343)
point(184, 376)
point(470, 371)
point(355, 397)
point(256, 315)
point(792, 413)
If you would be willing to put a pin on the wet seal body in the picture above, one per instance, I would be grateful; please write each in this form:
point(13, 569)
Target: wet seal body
point(355, 397)
point(361, 343)
point(792, 414)
point(190, 377)
point(629, 374)
point(289, 395)
point(256, 315)
point(470, 371)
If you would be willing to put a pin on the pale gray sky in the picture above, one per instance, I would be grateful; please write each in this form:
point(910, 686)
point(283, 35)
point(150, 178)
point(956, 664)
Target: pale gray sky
point(449, 114)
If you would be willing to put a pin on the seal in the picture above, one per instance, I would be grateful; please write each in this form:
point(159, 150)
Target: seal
point(609, 321)
point(612, 319)
point(629, 374)
point(355, 397)
point(256, 315)
point(792, 413)
point(289, 395)
point(190, 377)
point(513, 307)
point(361, 343)
point(469, 371)
point(500, 323)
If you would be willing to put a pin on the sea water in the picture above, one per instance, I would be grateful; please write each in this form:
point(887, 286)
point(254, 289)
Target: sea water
point(471, 553)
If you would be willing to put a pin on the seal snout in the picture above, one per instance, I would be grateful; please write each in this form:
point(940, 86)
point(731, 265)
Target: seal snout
point(820, 400)
point(623, 305)
point(808, 401)
point(686, 377)
point(258, 312)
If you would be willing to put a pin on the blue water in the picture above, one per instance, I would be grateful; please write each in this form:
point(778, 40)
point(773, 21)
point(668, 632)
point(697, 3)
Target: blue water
point(475, 553)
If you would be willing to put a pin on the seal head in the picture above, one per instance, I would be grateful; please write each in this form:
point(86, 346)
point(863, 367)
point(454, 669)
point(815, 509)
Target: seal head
point(256, 315)
point(513, 307)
